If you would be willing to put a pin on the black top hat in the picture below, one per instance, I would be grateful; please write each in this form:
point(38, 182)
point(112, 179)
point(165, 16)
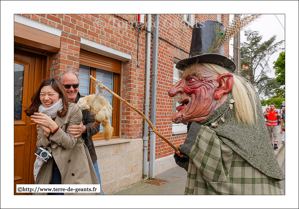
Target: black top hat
point(205, 46)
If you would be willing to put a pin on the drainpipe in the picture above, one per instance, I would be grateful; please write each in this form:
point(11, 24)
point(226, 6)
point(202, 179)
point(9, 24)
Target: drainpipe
point(147, 83)
point(153, 97)
point(219, 18)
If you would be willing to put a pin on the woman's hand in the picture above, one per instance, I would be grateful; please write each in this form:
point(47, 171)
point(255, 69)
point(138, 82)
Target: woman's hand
point(47, 131)
point(77, 130)
point(44, 120)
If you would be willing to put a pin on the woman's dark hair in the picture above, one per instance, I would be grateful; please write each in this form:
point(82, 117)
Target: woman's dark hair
point(58, 87)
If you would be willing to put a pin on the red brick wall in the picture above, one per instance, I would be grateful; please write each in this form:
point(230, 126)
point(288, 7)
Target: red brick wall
point(225, 21)
point(179, 34)
point(111, 31)
point(115, 32)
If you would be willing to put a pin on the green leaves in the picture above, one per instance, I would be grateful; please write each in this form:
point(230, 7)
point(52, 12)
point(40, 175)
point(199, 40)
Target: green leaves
point(255, 56)
point(279, 66)
point(277, 101)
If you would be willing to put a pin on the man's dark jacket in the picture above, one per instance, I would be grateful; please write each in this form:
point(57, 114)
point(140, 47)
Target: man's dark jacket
point(88, 120)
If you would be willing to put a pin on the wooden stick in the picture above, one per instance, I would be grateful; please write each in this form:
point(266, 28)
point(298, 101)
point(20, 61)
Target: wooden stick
point(140, 113)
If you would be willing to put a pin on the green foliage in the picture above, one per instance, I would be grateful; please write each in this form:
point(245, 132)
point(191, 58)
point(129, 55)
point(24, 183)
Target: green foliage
point(279, 66)
point(277, 101)
point(255, 56)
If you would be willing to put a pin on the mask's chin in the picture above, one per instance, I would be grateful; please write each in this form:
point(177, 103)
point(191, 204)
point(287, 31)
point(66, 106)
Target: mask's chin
point(180, 116)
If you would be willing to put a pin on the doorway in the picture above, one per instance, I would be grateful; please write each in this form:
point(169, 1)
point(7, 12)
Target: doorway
point(30, 69)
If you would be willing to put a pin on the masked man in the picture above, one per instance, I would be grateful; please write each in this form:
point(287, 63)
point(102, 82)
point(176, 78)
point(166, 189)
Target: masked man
point(227, 149)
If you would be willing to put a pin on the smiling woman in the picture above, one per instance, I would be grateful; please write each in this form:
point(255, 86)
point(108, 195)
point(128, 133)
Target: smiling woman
point(48, 96)
point(54, 115)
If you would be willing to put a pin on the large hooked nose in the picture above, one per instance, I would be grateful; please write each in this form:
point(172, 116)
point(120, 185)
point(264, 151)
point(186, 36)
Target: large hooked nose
point(177, 88)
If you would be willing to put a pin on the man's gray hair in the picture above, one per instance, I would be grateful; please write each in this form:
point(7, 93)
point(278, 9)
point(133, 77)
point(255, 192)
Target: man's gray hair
point(69, 70)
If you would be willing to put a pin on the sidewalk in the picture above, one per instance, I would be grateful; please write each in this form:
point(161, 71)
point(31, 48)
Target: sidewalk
point(280, 157)
point(175, 185)
point(176, 179)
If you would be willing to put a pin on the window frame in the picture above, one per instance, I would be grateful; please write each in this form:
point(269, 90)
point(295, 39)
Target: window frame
point(179, 128)
point(95, 61)
point(192, 19)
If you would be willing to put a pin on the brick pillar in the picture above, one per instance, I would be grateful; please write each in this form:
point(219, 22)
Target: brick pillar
point(68, 55)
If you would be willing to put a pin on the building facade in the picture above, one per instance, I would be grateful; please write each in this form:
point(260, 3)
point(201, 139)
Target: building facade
point(113, 49)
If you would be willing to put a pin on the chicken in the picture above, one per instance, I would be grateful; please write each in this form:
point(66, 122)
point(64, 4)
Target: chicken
point(102, 110)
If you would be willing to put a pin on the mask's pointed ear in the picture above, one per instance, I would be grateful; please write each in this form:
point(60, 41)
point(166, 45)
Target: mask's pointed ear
point(225, 81)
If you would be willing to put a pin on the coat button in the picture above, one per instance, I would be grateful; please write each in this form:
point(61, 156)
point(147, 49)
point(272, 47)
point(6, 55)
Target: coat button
point(69, 161)
point(73, 174)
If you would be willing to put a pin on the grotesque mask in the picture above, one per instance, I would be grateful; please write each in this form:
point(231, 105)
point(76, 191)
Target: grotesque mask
point(199, 92)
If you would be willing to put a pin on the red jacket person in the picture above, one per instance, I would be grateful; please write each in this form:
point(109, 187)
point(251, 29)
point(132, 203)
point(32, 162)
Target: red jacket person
point(272, 117)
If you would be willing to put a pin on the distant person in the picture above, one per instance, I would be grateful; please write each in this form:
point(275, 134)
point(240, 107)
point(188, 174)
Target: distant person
point(69, 161)
point(70, 80)
point(282, 105)
point(272, 117)
point(283, 123)
point(279, 120)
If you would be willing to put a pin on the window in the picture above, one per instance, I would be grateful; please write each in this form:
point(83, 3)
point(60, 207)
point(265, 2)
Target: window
point(18, 90)
point(180, 127)
point(106, 70)
point(189, 19)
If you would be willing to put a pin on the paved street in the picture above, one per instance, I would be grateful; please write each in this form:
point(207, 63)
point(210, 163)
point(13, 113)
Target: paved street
point(283, 182)
point(175, 185)
point(176, 178)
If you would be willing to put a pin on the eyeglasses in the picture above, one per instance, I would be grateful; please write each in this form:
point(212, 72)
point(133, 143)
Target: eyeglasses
point(68, 86)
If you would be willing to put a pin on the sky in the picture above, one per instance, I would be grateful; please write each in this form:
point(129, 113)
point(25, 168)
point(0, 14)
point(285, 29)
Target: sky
point(267, 25)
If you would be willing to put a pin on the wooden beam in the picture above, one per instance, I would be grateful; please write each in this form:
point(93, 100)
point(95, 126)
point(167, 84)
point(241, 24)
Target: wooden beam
point(35, 38)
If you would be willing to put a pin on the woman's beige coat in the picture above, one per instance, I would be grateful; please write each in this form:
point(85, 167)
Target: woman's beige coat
point(71, 154)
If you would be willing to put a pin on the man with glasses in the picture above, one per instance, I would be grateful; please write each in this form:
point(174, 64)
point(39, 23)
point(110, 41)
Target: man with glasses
point(70, 80)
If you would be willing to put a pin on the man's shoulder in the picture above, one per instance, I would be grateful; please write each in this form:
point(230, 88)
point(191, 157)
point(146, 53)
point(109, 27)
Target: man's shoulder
point(78, 97)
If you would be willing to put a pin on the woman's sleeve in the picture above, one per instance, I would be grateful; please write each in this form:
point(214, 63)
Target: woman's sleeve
point(64, 138)
point(42, 140)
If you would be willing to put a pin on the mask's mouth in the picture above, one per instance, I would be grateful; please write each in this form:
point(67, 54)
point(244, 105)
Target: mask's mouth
point(183, 104)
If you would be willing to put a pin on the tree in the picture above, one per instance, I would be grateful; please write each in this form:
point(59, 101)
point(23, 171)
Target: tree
point(254, 57)
point(277, 101)
point(279, 66)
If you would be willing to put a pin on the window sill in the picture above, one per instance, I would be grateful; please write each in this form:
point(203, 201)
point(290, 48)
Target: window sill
point(179, 129)
point(100, 143)
point(178, 132)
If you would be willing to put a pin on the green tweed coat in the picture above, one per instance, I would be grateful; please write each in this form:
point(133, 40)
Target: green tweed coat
point(214, 168)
